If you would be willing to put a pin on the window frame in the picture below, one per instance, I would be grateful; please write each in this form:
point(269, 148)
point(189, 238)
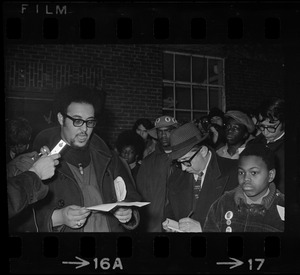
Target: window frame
point(172, 83)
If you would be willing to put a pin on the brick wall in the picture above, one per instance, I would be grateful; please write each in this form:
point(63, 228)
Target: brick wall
point(250, 81)
point(253, 74)
point(131, 76)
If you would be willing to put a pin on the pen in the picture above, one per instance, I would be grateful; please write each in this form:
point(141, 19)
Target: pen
point(191, 213)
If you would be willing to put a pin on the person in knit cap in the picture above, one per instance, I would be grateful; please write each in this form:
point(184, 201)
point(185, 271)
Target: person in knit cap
point(200, 177)
point(162, 129)
point(239, 127)
point(255, 205)
point(153, 174)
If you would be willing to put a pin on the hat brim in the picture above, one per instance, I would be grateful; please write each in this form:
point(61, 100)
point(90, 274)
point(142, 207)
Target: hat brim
point(153, 132)
point(183, 148)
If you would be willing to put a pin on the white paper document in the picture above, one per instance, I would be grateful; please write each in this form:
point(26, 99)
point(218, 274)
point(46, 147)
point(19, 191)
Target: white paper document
point(109, 206)
point(173, 225)
point(120, 188)
point(281, 211)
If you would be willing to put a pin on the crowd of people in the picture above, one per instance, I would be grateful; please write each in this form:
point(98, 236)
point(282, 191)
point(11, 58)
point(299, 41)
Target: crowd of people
point(223, 172)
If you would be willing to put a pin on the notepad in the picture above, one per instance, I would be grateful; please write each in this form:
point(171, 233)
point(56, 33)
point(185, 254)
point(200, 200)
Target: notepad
point(106, 207)
point(173, 225)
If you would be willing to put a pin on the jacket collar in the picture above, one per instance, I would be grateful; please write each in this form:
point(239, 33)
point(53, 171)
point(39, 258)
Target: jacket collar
point(213, 167)
point(239, 196)
point(98, 149)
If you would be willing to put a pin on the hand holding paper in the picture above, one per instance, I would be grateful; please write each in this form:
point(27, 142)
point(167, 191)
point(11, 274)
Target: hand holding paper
point(123, 214)
point(171, 226)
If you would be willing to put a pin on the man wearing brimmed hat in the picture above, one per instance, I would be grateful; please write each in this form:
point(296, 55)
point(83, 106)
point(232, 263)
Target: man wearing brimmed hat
point(239, 126)
point(162, 129)
point(153, 173)
point(202, 177)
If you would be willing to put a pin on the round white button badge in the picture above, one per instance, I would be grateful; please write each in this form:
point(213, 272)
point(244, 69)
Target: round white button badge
point(228, 229)
point(228, 215)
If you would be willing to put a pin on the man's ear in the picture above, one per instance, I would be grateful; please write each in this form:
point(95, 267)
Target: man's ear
point(272, 174)
point(60, 118)
point(204, 151)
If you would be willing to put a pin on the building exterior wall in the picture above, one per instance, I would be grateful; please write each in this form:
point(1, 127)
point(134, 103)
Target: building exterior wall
point(131, 76)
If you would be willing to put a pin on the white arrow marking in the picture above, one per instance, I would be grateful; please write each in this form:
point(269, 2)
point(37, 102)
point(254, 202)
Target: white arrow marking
point(82, 262)
point(236, 263)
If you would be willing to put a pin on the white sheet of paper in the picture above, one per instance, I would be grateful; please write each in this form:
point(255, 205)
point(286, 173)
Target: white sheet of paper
point(106, 207)
point(281, 212)
point(173, 225)
point(120, 188)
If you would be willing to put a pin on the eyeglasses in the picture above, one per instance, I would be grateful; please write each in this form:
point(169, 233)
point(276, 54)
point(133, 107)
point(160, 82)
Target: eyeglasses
point(270, 129)
point(186, 163)
point(79, 122)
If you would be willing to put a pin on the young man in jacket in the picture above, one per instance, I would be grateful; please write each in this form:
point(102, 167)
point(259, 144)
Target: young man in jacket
point(89, 173)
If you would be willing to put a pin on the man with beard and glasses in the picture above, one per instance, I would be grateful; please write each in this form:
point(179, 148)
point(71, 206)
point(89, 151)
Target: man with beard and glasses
point(89, 173)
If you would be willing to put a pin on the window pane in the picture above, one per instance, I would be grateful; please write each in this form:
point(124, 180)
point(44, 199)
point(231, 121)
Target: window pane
point(215, 71)
point(198, 115)
point(199, 69)
point(182, 68)
point(168, 97)
point(168, 66)
point(183, 97)
point(215, 98)
point(168, 113)
point(183, 117)
point(199, 98)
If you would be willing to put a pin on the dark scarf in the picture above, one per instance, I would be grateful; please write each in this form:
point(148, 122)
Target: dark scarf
point(75, 156)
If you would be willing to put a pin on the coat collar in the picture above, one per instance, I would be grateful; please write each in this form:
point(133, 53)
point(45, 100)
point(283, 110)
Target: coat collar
point(267, 201)
point(213, 169)
point(100, 154)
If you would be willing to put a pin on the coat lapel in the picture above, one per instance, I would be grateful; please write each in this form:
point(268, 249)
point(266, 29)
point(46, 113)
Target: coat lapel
point(212, 187)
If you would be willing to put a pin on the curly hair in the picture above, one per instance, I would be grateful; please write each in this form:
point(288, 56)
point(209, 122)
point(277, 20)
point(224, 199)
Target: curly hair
point(143, 121)
point(130, 138)
point(18, 131)
point(273, 109)
point(260, 150)
point(79, 94)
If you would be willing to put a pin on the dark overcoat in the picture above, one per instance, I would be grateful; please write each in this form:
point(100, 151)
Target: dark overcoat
point(64, 190)
point(221, 176)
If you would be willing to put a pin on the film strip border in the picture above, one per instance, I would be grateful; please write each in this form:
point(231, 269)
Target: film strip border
point(150, 253)
point(151, 23)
